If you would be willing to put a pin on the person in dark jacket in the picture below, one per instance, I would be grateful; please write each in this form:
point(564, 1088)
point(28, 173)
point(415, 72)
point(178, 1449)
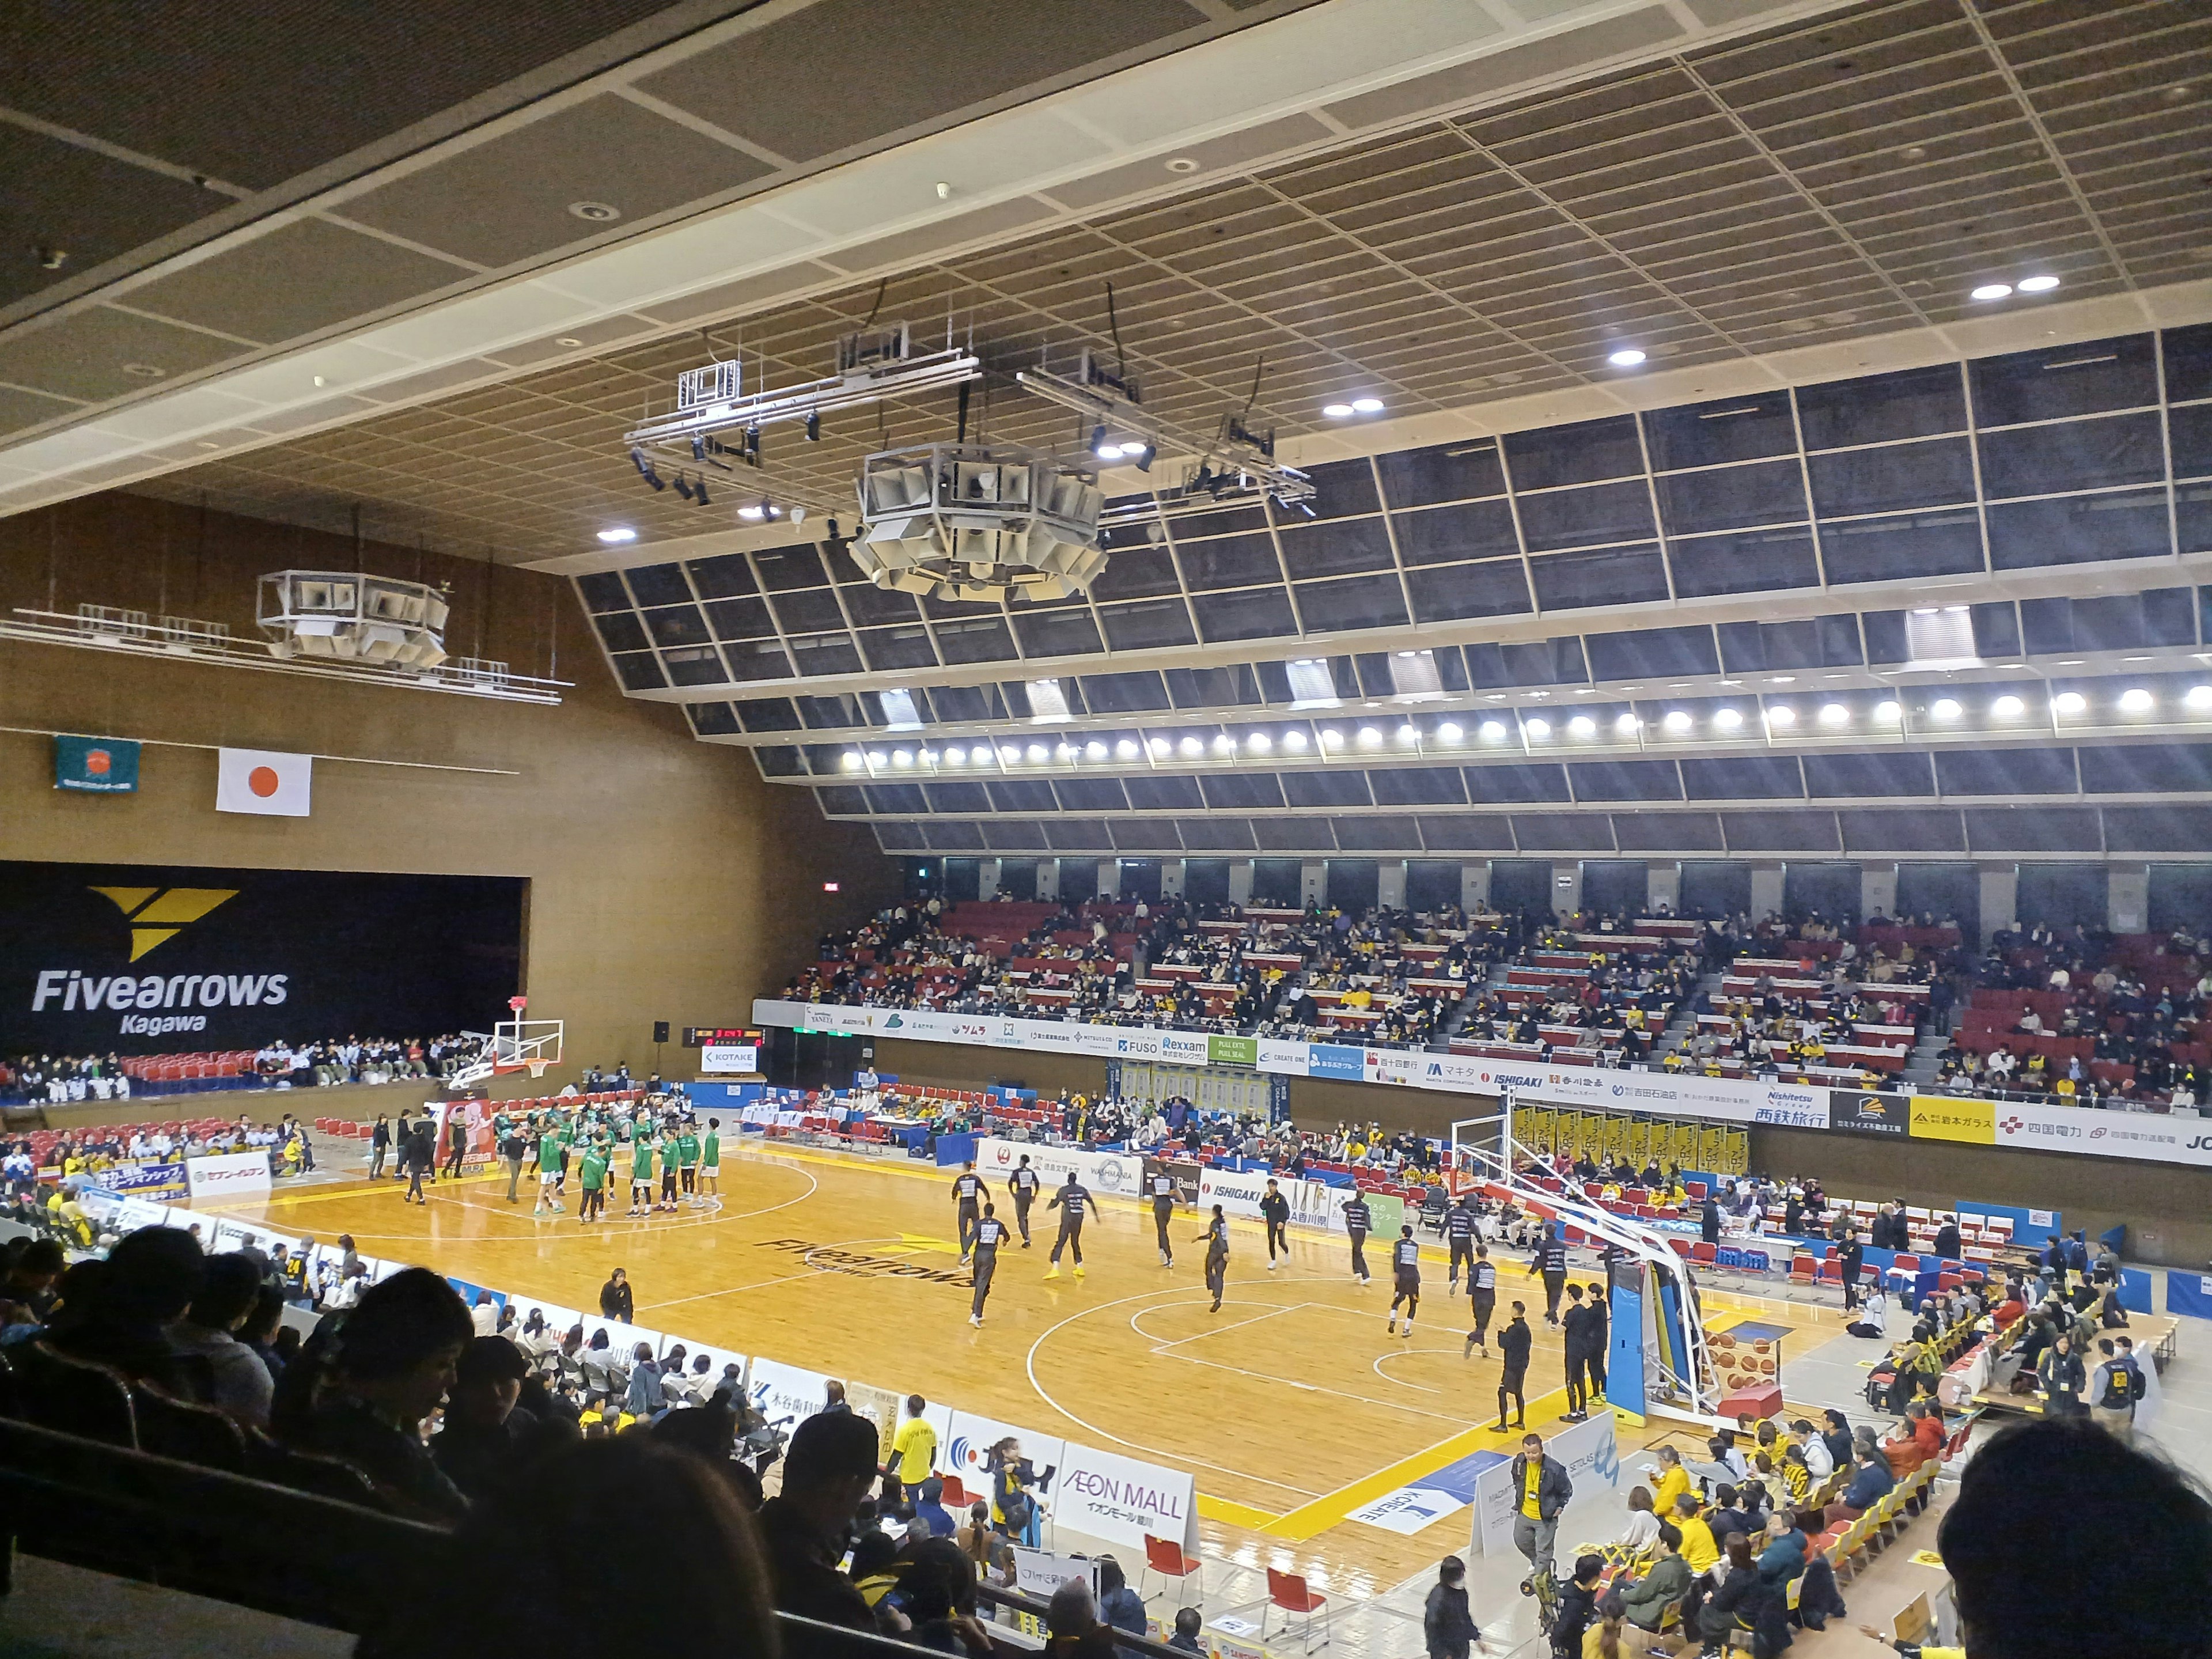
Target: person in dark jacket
point(829, 1467)
point(1836, 1436)
point(2062, 1377)
point(1740, 1599)
point(1514, 1342)
point(1947, 1241)
point(1852, 1258)
point(1708, 1221)
point(1577, 1608)
point(617, 1299)
point(379, 1145)
point(1446, 1620)
point(1541, 1489)
point(1869, 1485)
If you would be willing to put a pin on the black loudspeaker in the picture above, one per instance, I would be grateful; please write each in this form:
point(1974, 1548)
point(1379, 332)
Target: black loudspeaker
point(660, 1030)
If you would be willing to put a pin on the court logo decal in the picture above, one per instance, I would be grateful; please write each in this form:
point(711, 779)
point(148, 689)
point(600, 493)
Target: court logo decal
point(857, 1264)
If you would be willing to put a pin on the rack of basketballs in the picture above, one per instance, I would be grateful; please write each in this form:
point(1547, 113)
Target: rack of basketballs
point(1744, 1362)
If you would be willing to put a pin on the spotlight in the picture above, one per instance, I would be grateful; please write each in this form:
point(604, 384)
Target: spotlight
point(929, 757)
point(2199, 697)
point(851, 760)
point(956, 756)
point(814, 428)
point(2135, 700)
point(1337, 411)
point(1094, 750)
point(1728, 719)
point(877, 757)
point(1259, 743)
point(645, 469)
point(1408, 734)
point(1627, 357)
point(1448, 731)
point(1367, 405)
point(1537, 728)
point(1126, 749)
point(1835, 713)
point(1945, 709)
point(683, 486)
point(2007, 708)
point(1992, 291)
point(1368, 737)
point(1888, 712)
point(1332, 738)
point(1038, 753)
point(1142, 454)
point(699, 490)
point(1191, 746)
point(1009, 756)
point(1158, 747)
point(2069, 703)
point(1625, 725)
point(617, 533)
point(1099, 446)
point(901, 757)
point(1583, 727)
point(1784, 716)
point(1294, 739)
point(1676, 720)
point(2038, 284)
point(1224, 743)
point(1063, 753)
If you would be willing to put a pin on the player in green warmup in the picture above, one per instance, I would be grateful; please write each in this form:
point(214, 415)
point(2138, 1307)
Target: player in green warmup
point(687, 1164)
point(641, 1173)
point(549, 1173)
point(710, 1165)
point(592, 1173)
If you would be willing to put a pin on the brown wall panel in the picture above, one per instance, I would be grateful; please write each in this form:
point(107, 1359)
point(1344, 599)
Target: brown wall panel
point(668, 881)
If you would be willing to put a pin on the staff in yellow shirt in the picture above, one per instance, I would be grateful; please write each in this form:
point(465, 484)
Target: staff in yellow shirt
point(914, 1447)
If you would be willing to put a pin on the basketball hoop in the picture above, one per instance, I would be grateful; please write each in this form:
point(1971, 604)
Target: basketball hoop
point(538, 1067)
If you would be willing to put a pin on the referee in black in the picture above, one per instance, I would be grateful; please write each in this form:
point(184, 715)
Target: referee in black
point(990, 1233)
point(1275, 1211)
point(1459, 1232)
point(1216, 1239)
point(968, 1191)
point(1072, 1200)
point(1406, 1267)
point(1358, 1222)
point(1482, 1285)
point(1514, 1343)
point(1163, 1189)
point(1025, 1183)
point(1551, 1261)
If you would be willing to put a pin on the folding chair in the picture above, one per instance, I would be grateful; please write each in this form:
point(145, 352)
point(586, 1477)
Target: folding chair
point(1288, 1591)
point(1168, 1559)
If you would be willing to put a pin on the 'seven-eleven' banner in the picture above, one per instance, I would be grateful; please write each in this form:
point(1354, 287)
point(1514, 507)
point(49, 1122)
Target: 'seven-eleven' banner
point(2154, 1137)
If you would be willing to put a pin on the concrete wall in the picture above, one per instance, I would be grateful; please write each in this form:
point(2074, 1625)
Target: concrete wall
point(667, 880)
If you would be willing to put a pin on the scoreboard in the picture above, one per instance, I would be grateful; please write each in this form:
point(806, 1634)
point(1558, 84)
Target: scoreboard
point(725, 1048)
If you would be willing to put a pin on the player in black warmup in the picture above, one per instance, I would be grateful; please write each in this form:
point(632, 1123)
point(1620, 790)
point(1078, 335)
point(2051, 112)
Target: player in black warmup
point(1025, 1183)
point(1405, 1268)
point(1514, 1343)
point(1216, 1239)
point(1458, 1233)
point(1162, 1186)
point(1358, 1221)
point(1551, 1261)
point(1597, 1335)
point(967, 1190)
point(1482, 1286)
point(990, 1233)
point(1072, 1200)
point(1576, 1325)
point(1275, 1211)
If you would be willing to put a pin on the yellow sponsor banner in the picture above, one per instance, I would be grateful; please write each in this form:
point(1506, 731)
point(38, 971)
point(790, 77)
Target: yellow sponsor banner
point(1937, 1117)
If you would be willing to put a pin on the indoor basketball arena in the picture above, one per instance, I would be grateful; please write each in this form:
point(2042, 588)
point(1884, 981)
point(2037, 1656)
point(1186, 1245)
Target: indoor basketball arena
point(1201, 827)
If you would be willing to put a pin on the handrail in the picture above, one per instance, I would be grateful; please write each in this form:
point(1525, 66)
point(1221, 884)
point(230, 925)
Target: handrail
point(1014, 1600)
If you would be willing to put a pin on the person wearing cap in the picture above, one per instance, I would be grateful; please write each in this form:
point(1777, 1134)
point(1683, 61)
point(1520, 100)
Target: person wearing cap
point(486, 1436)
point(829, 1467)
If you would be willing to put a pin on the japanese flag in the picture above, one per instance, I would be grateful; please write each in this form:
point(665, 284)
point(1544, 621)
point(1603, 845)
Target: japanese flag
point(264, 781)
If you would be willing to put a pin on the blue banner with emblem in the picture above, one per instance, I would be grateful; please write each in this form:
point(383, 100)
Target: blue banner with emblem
point(96, 766)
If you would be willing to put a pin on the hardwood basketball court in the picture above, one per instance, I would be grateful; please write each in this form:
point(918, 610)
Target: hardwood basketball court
point(1291, 1406)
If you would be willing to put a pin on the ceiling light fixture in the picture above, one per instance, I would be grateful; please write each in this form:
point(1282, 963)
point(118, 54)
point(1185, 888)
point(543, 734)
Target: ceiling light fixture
point(1158, 747)
point(1834, 714)
point(1408, 734)
point(1337, 411)
point(1126, 748)
point(1945, 709)
point(2069, 703)
point(1367, 405)
point(1449, 732)
point(1009, 756)
point(2199, 697)
point(1992, 291)
point(1493, 730)
point(1192, 746)
point(1728, 718)
point(1537, 728)
point(1038, 753)
point(2038, 284)
point(1094, 750)
point(1332, 738)
point(1294, 739)
point(1368, 737)
point(1888, 712)
point(1224, 743)
point(1677, 720)
point(2007, 708)
point(1626, 725)
point(1626, 357)
point(1259, 743)
point(956, 755)
point(2135, 700)
point(1583, 727)
point(1784, 716)
point(615, 533)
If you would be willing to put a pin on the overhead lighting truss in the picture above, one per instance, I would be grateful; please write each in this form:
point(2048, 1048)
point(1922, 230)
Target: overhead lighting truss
point(710, 400)
point(1232, 465)
point(136, 633)
point(967, 521)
